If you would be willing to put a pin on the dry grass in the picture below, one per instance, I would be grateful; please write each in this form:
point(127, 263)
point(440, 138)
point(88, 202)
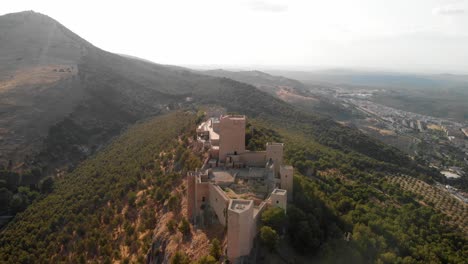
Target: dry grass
point(287, 94)
point(35, 75)
point(434, 127)
point(383, 132)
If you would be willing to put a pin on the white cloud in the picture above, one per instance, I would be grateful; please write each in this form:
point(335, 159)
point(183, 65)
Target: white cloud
point(448, 10)
point(264, 6)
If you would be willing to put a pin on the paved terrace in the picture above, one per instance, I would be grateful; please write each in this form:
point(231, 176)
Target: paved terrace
point(246, 183)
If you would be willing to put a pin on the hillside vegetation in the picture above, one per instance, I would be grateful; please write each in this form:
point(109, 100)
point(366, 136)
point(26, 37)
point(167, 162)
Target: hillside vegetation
point(346, 211)
point(439, 199)
point(105, 209)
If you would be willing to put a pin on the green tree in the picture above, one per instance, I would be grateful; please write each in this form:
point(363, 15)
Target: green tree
point(173, 203)
point(207, 260)
point(171, 225)
point(18, 203)
point(269, 237)
point(180, 258)
point(275, 217)
point(5, 198)
point(184, 227)
point(215, 249)
point(131, 198)
point(47, 185)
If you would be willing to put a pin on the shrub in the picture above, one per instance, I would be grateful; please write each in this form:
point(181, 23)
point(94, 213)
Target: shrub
point(180, 258)
point(215, 249)
point(269, 237)
point(207, 260)
point(171, 225)
point(274, 217)
point(184, 227)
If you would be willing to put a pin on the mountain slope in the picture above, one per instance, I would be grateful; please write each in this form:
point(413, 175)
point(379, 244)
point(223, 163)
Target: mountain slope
point(288, 90)
point(100, 194)
point(264, 81)
point(105, 92)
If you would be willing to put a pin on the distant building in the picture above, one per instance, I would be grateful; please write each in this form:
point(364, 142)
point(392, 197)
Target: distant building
point(235, 185)
point(465, 132)
point(420, 125)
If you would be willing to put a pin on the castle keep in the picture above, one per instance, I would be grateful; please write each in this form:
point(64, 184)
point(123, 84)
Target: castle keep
point(235, 185)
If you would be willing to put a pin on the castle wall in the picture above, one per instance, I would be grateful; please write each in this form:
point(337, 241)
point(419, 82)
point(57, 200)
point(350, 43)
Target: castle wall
point(201, 196)
point(239, 237)
point(219, 202)
point(274, 151)
point(287, 180)
point(214, 152)
point(191, 178)
point(256, 220)
point(241, 217)
point(253, 158)
point(279, 198)
point(215, 126)
point(231, 136)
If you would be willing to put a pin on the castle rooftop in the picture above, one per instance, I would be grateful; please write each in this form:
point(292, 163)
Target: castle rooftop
point(239, 206)
point(279, 191)
point(234, 117)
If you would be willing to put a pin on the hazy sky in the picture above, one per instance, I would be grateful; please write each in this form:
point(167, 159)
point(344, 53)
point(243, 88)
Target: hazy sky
point(407, 35)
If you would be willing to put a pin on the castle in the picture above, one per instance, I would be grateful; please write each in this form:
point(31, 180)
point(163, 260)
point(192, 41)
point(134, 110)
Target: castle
point(236, 185)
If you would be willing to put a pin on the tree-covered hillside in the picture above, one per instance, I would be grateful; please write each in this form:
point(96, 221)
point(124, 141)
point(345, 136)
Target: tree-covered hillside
point(346, 211)
point(105, 209)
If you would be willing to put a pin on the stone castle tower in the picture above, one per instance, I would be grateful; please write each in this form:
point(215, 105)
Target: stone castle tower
point(274, 152)
point(231, 136)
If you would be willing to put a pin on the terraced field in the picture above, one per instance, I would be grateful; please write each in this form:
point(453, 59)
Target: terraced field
point(456, 210)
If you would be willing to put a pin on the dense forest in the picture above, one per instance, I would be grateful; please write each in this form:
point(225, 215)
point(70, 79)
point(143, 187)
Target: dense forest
point(19, 190)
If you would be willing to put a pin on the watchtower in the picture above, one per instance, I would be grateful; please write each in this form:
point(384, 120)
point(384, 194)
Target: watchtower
point(231, 136)
point(286, 179)
point(274, 152)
